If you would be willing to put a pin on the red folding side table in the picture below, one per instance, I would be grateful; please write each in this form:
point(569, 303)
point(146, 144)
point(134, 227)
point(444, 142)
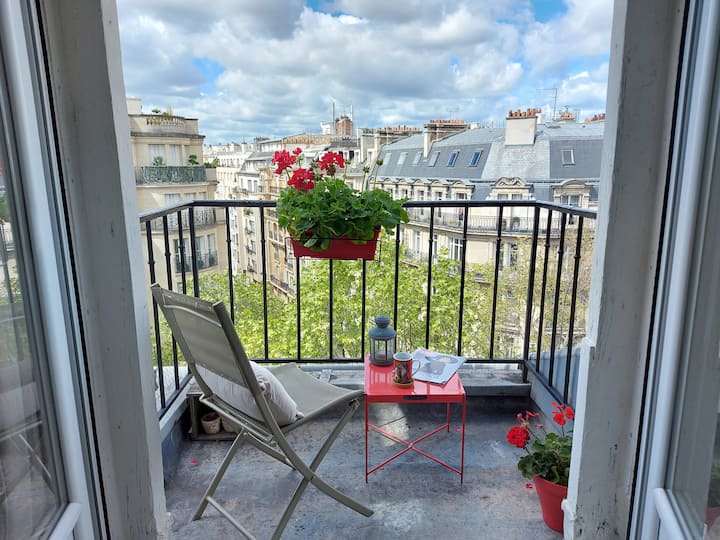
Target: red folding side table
point(379, 388)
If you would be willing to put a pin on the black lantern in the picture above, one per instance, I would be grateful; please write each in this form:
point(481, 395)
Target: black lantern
point(382, 341)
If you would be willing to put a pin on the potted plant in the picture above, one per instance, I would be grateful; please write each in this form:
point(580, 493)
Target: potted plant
point(547, 459)
point(324, 216)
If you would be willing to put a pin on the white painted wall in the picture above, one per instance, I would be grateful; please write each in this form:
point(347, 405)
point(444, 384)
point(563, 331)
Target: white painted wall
point(643, 67)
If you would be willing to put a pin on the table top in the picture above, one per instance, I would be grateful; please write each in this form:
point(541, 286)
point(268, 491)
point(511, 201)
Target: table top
point(379, 387)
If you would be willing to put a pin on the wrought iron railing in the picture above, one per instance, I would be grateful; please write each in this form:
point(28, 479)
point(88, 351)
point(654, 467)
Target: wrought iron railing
point(170, 174)
point(549, 302)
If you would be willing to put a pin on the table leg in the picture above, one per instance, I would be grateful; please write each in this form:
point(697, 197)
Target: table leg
point(462, 443)
point(366, 439)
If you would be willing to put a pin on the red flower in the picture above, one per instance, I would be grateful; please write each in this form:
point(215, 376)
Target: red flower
point(283, 160)
point(518, 436)
point(297, 151)
point(559, 418)
point(569, 413)
point(330, 161)
point(302, 179)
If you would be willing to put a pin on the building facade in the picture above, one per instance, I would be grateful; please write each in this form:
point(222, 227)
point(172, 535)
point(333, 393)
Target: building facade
point(167, 155)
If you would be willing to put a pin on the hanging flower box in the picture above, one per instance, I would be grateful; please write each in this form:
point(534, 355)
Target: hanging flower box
point(339, 248)
point(325, 218)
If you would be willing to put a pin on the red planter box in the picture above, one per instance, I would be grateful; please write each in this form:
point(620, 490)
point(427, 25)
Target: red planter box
point(340, 248)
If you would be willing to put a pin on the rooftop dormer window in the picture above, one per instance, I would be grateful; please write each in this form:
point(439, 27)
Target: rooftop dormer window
point(568, 156)
point(417, 157)
point(433, 158)
point(453, 158)
point(401, 158)
point(475, 159)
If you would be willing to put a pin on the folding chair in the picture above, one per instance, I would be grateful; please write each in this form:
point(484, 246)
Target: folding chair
point(208, 340)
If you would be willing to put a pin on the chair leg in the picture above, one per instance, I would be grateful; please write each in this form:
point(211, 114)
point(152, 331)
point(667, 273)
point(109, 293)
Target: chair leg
point(237, 443)
point(309, 476)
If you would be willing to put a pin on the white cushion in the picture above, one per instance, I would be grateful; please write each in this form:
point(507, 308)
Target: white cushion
point(282, 406)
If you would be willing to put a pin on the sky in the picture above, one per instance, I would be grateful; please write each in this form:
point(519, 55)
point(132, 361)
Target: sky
point(247, 68)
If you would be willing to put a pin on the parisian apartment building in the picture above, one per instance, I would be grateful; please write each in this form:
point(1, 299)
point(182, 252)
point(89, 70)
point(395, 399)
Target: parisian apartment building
point(167, 153)
point(526, 159)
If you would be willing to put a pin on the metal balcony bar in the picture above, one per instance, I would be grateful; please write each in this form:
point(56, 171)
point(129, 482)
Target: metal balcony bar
point(558, 219)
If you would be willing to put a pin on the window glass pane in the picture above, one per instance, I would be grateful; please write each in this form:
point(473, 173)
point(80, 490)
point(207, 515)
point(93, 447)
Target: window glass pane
point(417, 157)
point(451, 161)
point(433, 159)
point(31, 489)
point(475, 158)
point(401, 158)
point(156, 153)
point(174, 157)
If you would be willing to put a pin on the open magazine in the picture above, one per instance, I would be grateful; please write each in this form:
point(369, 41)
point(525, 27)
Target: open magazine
point(435, 367)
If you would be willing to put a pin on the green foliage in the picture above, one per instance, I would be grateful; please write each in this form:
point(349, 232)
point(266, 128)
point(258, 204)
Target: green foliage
point(548, 455)
point(193, 160)
point(212, 164)
point(158, 161)
point(412, 302)
point(550, 459)
point(332, 209)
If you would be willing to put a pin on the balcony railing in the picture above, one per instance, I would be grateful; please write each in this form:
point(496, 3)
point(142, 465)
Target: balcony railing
point(525, 305)
point(170, 175)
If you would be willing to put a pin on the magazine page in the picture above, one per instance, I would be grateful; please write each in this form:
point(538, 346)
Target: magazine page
point(435, 367)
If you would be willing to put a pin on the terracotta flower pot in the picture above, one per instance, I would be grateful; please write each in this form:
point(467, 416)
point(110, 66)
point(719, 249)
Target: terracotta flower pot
point(340, 248)
point(551, 496)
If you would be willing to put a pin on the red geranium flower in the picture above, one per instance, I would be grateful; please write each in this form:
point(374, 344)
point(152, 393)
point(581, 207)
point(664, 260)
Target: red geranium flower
point(518, 436)
point(302, 179)
point(297, 151)
point(283, 160)
point(559, 418)
point(330, 161)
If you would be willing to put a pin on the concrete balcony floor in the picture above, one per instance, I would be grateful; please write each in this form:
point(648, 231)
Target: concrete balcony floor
point(412, 497)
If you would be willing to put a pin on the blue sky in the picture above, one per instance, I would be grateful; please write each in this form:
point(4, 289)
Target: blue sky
point(245, 68)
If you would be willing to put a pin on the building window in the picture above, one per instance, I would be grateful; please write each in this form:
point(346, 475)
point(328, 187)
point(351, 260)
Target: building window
point(421, 197)
point(401, 158)
point(174, 156)
point(434, 158)
point(517, 197)
point(453, 158)
point(456, 249)
point(417, 248)
point(156, 151)
point(417, 157)
point(570, 200)
point(386, 159)
point(435, 248)
point(568, 156)
point(513, 255)
point(475, 159)
point(502, 197)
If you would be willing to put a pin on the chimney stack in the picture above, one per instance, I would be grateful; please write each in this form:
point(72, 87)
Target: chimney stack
point(520, 127)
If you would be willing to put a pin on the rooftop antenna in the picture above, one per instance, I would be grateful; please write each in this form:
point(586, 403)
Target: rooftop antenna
point(452, 110)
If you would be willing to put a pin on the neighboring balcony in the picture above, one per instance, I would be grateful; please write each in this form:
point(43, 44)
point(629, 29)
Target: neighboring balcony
point(170, 174)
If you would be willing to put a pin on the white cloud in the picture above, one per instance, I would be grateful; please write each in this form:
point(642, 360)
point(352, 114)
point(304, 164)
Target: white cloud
point(395, 62)
point(583, 31)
